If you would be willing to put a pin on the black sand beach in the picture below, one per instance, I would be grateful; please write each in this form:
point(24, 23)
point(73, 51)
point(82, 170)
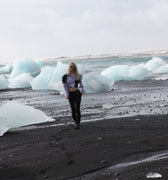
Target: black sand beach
point(64, 153)
point(131, 125)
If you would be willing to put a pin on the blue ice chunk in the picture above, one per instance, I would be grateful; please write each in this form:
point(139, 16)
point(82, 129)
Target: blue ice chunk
point(40, 63)
point(3, 82)
point(10, 117)
point(25, 66)
point(125, 72)
point(7, 69)
point(49, 77)
point(20, 81)
point(43, 79)
point(95, 83)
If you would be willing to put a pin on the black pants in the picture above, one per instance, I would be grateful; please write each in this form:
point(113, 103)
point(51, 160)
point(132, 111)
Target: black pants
point(75, 101)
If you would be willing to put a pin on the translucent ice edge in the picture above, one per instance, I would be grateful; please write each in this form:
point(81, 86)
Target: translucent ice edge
point(30, 73)
point(14, 115)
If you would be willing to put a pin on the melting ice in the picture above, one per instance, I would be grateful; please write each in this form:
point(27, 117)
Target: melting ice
point(98, 76)
point(14, 115)
point(153, 175)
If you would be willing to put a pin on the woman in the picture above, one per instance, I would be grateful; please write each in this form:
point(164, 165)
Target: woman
point(72, 82)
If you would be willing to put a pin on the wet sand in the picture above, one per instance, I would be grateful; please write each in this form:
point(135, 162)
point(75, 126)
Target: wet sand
point(64, 153)
point(132, 124)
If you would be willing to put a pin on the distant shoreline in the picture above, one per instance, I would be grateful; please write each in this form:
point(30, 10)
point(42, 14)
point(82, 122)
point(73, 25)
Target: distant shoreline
point(148, 53)
point(143, 53)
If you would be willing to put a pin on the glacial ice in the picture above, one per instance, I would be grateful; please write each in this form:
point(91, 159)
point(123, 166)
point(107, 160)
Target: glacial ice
point(59, 71)
point(49, 77)
point(136, 72)
point(161, 70)
point(14, 115)
point(125, 72)
point(95, 83)
point(35, 74)
point(40, 63)
point(7, 69)
point(25, 66)
point(153, 175)
point(154, 63)
point(3, 82)
point(43, 79)
point(20, 81)
point(56, 86)
point(4, 126)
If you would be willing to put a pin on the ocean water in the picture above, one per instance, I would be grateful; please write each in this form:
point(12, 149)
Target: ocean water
point(99, 72)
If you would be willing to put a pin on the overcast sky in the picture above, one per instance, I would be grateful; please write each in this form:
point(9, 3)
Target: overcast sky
point(53, 28)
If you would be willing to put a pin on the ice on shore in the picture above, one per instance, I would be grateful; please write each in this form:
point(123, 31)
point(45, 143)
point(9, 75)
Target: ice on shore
point(43, 79)
point(49, 77)
point(3, 82)
point(14, 115)
point(59, 71)
point(21, 81)
point(40, 63)
point(108, 106)
point(136, 72)
point(95, 83)
point(56, 86)
point(153, 175)
point(155, 63)
point(97, 77)
point(4, 126)
point(125, 72)
point(23, 66)
point(7, 69)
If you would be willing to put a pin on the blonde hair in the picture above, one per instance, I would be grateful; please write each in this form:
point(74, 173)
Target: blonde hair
point(74, 68)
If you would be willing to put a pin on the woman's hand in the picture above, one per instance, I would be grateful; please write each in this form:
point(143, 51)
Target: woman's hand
point(67, 97)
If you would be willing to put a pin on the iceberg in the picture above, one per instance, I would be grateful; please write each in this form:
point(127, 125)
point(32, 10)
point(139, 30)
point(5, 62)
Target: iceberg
point(117, 72)
point(10, 117)
point(125, 72)
point(7, 69)
point(28, 66)
point(4, 126)
point(153, 175)
point(155, 63)
point(138, 72)
point(50, 77)
point(59, 71)
point(21, 81)
point(94, 83)
point(161, 70)
point(43, 79)
point(56, 86)
point(3, 82)
point(40, 63)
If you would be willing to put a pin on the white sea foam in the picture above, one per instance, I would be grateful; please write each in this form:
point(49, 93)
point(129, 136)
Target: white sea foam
point(14, 115)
